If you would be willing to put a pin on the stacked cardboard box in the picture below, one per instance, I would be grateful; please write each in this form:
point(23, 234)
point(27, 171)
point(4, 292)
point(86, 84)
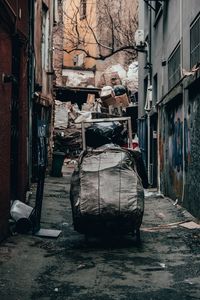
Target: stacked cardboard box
point(115, 101)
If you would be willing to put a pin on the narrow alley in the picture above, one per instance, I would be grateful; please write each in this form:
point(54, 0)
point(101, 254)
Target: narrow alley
point(166, 265)
point(100, 150)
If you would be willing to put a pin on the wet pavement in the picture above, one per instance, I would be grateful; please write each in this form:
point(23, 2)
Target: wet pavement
point(165, 265)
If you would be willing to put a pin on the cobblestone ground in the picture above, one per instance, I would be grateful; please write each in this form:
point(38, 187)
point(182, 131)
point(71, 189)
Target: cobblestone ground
point(166, 265)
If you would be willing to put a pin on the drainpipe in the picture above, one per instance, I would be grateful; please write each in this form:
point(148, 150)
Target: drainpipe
point(148, 146)
point(148, 109)
point(184, 97)
point(181, 37)
point(31, 87)
point(183, 149)
point(149, 99)
point(159, 109)
point(158, 152)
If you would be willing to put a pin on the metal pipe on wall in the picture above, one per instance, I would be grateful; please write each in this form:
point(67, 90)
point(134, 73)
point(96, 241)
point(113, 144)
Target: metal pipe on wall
point(148, 147)
point(148, 111)
point(158, 152)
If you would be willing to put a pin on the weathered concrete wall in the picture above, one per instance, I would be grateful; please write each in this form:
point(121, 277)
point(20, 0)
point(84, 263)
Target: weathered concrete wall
point(102, 28)
point(178, 110)
point(192, 149)
point(171, 149)
point(175, 18)
point(14, 101)
point(23, 126)
point(58, 45)
point(179, 144)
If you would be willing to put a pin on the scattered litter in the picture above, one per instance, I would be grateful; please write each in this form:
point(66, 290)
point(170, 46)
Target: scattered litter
point(148, 194)
point(56, 290)
point(159, 195)
point(156, 194)
point(65, 224)
point(28, 196)
point(176, 202)
point(160, 215)
point(173, 236)
point(150, 269)
point(20, 212)
point(4, 250)
point(86, 266)
point(81, 266)
point(162, 265)
point(160, 227)
point(190, 225)
point(188, 281)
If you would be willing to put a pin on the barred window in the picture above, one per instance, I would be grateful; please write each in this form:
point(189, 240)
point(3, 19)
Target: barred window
point(174, 67)
point(83, 8)
point(195, 42)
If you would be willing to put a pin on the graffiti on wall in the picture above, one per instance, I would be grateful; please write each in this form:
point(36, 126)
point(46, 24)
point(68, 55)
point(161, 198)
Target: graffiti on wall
point(187, 142)
point(175, 139)
point(161, 139)
point(179, 150)
point(192, 190)
point(171, 149)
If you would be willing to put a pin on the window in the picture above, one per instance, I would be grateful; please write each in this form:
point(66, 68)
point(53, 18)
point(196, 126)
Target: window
point(155, 89)
point(83, 8)
point(195, 42)
point(174, 67)
point(45, 38)
point(55, 13)
point(45, 46)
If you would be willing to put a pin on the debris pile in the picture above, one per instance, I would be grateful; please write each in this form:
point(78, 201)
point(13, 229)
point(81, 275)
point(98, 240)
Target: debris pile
point(114, 100)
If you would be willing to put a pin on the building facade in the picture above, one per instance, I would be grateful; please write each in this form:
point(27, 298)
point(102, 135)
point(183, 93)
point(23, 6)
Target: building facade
point(25, 93)
point(169, 97)
point(14, 40)
point(45, 14)
point(83, 29)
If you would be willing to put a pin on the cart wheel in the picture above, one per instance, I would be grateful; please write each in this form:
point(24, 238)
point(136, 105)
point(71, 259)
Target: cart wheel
point(86, 238)
point(138, 238)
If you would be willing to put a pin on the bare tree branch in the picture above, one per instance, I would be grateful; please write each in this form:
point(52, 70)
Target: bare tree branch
point(109, 28)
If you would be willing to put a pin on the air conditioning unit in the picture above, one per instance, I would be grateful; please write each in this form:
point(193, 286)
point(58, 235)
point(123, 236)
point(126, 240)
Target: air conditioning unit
point(139, 38)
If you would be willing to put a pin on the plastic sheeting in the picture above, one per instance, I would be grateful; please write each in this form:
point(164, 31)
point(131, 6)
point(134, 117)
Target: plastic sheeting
point(106, 189)
point(99, 134)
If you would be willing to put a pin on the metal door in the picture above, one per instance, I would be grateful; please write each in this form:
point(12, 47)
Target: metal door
point(15, 117)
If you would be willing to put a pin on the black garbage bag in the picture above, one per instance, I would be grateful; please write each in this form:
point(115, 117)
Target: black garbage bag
point(119, 90)
point(100, 134)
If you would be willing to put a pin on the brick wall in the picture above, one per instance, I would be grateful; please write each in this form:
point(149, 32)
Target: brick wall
point(5, 97)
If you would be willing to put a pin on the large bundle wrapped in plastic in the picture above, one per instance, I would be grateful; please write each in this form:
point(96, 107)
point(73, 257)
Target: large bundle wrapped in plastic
point(106, 192)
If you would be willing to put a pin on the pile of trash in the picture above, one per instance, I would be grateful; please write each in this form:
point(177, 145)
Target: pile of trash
point(67, 129)
point(114, 96)
point(68, 118)
point(114, 100)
